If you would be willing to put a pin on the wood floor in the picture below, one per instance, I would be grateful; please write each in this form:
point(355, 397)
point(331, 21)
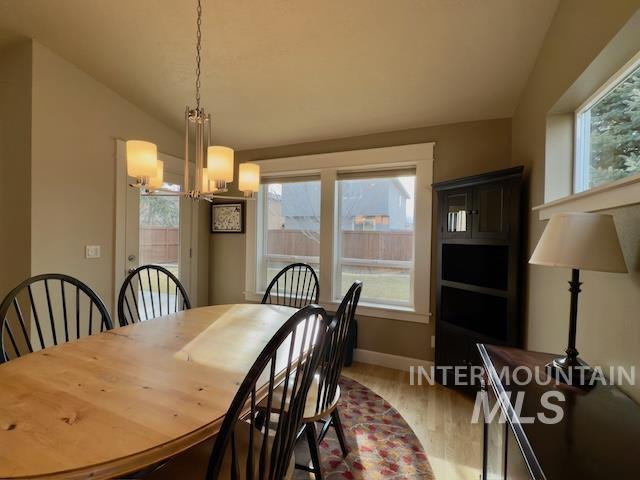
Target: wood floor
point(440, 417)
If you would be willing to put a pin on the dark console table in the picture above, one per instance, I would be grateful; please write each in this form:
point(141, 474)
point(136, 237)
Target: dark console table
point(598, 437)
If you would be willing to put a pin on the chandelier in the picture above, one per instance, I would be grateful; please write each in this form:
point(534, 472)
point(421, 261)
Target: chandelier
point(214, 164)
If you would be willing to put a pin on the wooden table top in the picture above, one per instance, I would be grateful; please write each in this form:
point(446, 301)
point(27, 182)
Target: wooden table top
point(112, 403)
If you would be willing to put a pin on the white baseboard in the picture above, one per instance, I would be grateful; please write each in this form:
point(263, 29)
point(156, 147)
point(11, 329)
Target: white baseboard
point(396, 362)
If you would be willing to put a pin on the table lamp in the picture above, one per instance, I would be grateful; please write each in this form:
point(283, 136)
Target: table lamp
point(579, 241)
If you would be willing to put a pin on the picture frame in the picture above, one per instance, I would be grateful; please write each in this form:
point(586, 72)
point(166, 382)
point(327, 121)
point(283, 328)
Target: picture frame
point(227, 217)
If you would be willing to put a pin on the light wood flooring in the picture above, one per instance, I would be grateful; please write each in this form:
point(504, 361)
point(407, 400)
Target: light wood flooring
point(440, 417)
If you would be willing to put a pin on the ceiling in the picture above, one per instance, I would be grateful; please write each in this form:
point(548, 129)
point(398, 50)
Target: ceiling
point(286, 71)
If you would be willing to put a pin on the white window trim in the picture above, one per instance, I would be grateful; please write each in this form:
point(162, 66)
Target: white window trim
point(328, 165)
point(619, 193)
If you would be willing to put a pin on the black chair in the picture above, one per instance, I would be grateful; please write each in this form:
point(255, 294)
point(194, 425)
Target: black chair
point(243, 449)
point(61, 308)
point(148, 292)
point(324, 393)
point(296, 285)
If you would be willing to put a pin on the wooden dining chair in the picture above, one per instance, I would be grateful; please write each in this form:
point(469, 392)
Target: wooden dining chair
point(324, 393)
point(296, 285)
point(243, 450)
point(60, 307)
point(148, 292)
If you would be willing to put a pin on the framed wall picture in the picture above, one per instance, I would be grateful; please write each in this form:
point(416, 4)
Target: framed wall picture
point(227, 217)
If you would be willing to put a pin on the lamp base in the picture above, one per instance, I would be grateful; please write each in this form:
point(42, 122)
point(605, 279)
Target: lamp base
point(571, 371)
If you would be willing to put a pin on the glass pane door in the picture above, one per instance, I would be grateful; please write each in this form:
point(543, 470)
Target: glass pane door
point(160, 230)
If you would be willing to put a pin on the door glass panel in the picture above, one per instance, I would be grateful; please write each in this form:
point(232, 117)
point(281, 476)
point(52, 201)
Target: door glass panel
point(457, 220)
point(160, 230)
point(490, 207)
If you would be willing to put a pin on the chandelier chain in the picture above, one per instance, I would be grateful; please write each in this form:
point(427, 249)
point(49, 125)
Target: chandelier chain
point(198, 47)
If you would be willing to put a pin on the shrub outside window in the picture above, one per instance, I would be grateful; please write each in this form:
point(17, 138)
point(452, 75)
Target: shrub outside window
point(608, 133)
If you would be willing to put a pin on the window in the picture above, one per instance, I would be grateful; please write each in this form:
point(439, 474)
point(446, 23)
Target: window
point(354, 215)
point(291, 226)
point(608, 133)
point(376, 238)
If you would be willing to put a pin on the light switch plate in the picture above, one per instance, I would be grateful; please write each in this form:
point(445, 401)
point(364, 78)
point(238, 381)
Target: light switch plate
point(92, 251)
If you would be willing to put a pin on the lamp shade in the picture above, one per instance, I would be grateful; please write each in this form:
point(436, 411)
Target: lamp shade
point(142, 158)
point(157, 180)
point(220, 163)
point(584, 241)
point(249, 181)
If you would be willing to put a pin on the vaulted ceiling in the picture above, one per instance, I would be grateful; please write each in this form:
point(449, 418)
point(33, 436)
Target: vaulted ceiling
point(287, 71)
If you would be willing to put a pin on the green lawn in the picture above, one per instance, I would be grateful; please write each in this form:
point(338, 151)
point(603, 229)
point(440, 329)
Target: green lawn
point(376, 286)
point(163, 279)
point(380, 286)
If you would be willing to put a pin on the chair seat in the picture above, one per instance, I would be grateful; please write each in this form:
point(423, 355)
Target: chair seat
point(192, 464)
point(310, 414)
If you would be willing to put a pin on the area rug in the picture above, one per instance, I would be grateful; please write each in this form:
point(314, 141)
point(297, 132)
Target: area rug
point(381, 444)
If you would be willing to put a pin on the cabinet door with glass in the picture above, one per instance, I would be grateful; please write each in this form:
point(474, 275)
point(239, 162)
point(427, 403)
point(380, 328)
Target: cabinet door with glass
point(456, 213)
point(490, 213)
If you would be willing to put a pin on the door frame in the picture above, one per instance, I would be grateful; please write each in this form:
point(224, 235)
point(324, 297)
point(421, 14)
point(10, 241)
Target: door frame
point(172, 164)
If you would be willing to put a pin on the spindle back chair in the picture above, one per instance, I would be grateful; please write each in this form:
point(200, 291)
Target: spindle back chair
point(150, 291)
point(296, 350)
point(54, 308)
point(296, 285)
point(331, 366)
point(324, 393)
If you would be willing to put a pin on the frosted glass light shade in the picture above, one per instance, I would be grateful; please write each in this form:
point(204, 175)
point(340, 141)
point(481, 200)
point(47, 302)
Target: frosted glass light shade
point(220, 163)
point(249, 181)
point(157, 180)
point(142, 158)
point(584, 241)
point(205, 181)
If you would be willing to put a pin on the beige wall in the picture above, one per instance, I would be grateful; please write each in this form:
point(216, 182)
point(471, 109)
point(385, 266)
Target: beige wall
point(608, 330)
point(74, 123)
point(461, 149)
point(15, 163)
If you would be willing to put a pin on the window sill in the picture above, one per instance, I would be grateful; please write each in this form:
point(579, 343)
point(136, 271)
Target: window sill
point(390, 312)
point(620, 193)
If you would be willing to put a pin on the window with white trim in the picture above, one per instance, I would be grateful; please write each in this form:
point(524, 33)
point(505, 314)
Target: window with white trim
point(375, 236)
point(608, 132)
point(290, 219)
point(359, 214)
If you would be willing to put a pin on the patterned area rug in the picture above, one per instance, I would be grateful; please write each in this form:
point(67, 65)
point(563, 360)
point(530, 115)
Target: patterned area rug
point(381, 444)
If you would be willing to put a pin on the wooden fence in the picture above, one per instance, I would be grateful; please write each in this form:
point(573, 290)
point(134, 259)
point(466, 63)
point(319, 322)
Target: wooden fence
point(159, 245)
point(397, 246)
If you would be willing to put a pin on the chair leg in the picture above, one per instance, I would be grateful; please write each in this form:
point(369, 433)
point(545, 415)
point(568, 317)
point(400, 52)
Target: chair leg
point(259, 420)
point(337, 424)
point(325, 428)
point(312, 438)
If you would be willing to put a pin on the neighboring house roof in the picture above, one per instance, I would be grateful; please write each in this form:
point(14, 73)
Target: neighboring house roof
point(361, 198)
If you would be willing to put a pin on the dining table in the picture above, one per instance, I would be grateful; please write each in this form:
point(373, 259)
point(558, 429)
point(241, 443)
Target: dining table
point(117, 402)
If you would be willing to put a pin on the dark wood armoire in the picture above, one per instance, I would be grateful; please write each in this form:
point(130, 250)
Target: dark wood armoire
point(479, 263)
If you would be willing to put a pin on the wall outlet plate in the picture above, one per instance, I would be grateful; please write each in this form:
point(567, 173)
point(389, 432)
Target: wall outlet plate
point(92, 251)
